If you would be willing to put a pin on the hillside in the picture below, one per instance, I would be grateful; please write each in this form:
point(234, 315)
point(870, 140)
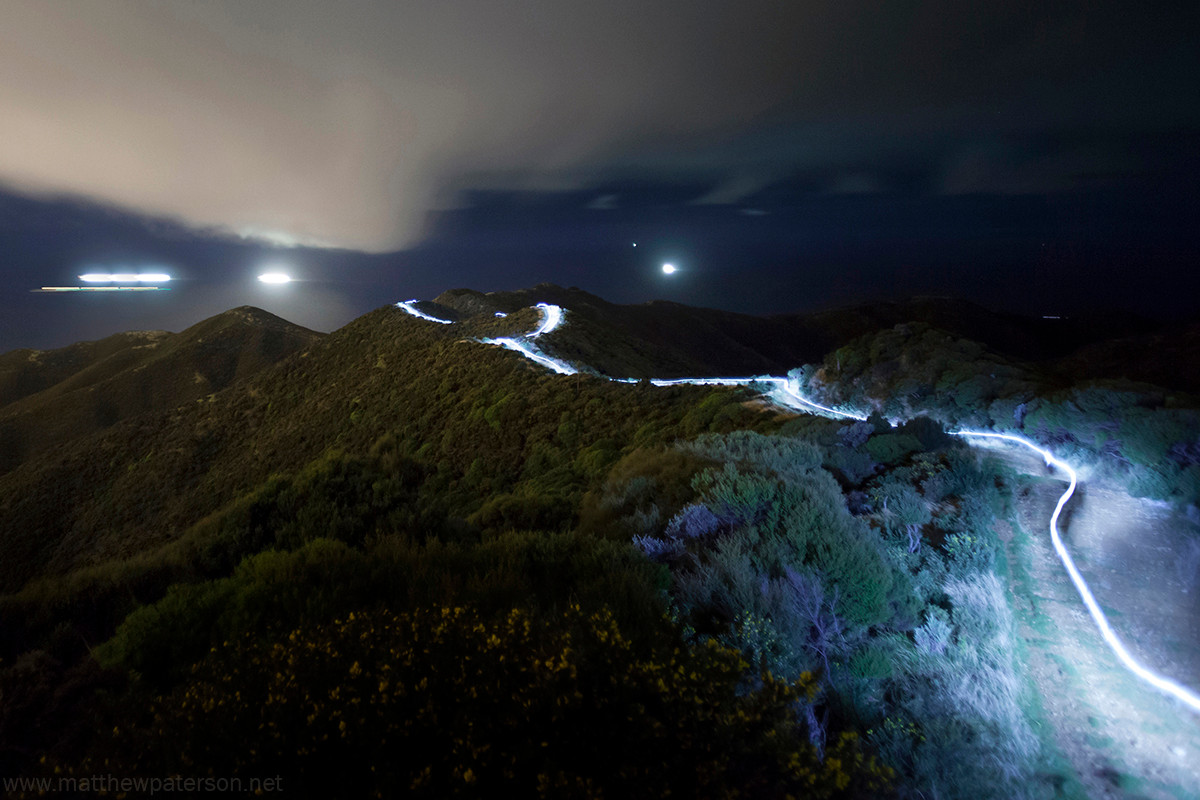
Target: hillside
point(188, 422)
point(670, 340)
point(1168, 358)
point(658, 339)
point(57, 396)
point(385, 373)
point(26, 372)
point(404, 557)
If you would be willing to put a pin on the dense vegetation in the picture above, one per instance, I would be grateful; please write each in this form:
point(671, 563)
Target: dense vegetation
point(402, 562)
point(1143, 435)
point(47, 398)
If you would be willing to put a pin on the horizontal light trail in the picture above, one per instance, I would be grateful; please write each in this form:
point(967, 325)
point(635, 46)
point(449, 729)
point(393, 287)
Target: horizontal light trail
point(125, 277)
point(702, 381)
point(416, 312)
point(787, 393)
point(102, 289)
point(1159, 682)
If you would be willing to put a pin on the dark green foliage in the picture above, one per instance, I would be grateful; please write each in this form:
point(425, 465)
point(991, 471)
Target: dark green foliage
point(778, 515)
point(891, 448)
point(292, 538)
point(62, 395)
point(445, 702)
point(484, 422)
point(768, 559)
point(1134, 432)
point(641, 492)
point(324, 579)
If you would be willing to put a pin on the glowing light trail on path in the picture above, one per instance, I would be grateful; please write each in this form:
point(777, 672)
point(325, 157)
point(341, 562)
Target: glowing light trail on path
point(552, 317)
point(562, 368)
point(408, 306)
point(787, 394)
point(1157, 681)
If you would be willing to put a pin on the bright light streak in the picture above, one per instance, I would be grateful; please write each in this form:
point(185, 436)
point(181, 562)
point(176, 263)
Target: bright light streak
point(668, 269)
point(1157, 681)
point(416, 312)
point(702, 381)
point(275, 277)
point(552, 317)
point(102, 289)
point(501, 314)
point(125, 277)
point(561, 367)
point(787, 393)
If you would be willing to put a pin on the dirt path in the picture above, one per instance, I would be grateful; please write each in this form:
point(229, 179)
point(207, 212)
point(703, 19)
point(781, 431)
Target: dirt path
point(1118, 737)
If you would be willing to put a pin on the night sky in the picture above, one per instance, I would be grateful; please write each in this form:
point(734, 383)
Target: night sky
point(785, 156)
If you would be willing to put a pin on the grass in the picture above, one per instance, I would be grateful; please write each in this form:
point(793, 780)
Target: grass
point(1053, 769)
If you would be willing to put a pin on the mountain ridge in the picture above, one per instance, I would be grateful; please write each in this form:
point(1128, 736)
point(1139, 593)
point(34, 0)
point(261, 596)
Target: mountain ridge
point(83, 389)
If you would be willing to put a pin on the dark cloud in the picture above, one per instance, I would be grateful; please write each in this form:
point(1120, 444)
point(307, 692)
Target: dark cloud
point(345, 123)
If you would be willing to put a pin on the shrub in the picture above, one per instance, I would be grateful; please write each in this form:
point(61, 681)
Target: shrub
point(443, 702)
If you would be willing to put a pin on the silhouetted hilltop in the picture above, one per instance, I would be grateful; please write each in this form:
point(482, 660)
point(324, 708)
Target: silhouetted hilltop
point(25, 372)
point(659, 338)
point(63, 394)
point(667, 339)
point(1168, 358)
point(1030, 338)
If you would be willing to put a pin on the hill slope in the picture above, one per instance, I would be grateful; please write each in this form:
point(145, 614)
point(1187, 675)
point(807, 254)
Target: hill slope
point(135, 447)
point(474, 414)
point(670, 340)
point(56, 396)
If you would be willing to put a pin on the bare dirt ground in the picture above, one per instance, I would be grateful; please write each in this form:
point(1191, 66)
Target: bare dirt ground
point(1115, 736)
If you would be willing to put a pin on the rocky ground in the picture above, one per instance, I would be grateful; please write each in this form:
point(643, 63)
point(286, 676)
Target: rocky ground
point(1108, 735)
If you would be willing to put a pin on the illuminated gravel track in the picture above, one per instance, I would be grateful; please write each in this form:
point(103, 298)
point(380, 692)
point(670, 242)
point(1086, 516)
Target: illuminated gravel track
point(1118, 648)
point(786, 393)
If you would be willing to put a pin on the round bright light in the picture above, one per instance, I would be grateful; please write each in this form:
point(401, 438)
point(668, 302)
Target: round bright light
point(275, 277)
point(668, 269)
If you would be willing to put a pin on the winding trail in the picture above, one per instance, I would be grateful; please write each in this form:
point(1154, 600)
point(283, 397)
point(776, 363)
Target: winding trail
point(786, 393)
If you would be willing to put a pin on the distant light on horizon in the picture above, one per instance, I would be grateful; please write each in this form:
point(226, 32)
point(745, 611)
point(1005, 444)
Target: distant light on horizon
point(668, 269)
point(102, 289)
point(125, 277)
point(275, 277)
